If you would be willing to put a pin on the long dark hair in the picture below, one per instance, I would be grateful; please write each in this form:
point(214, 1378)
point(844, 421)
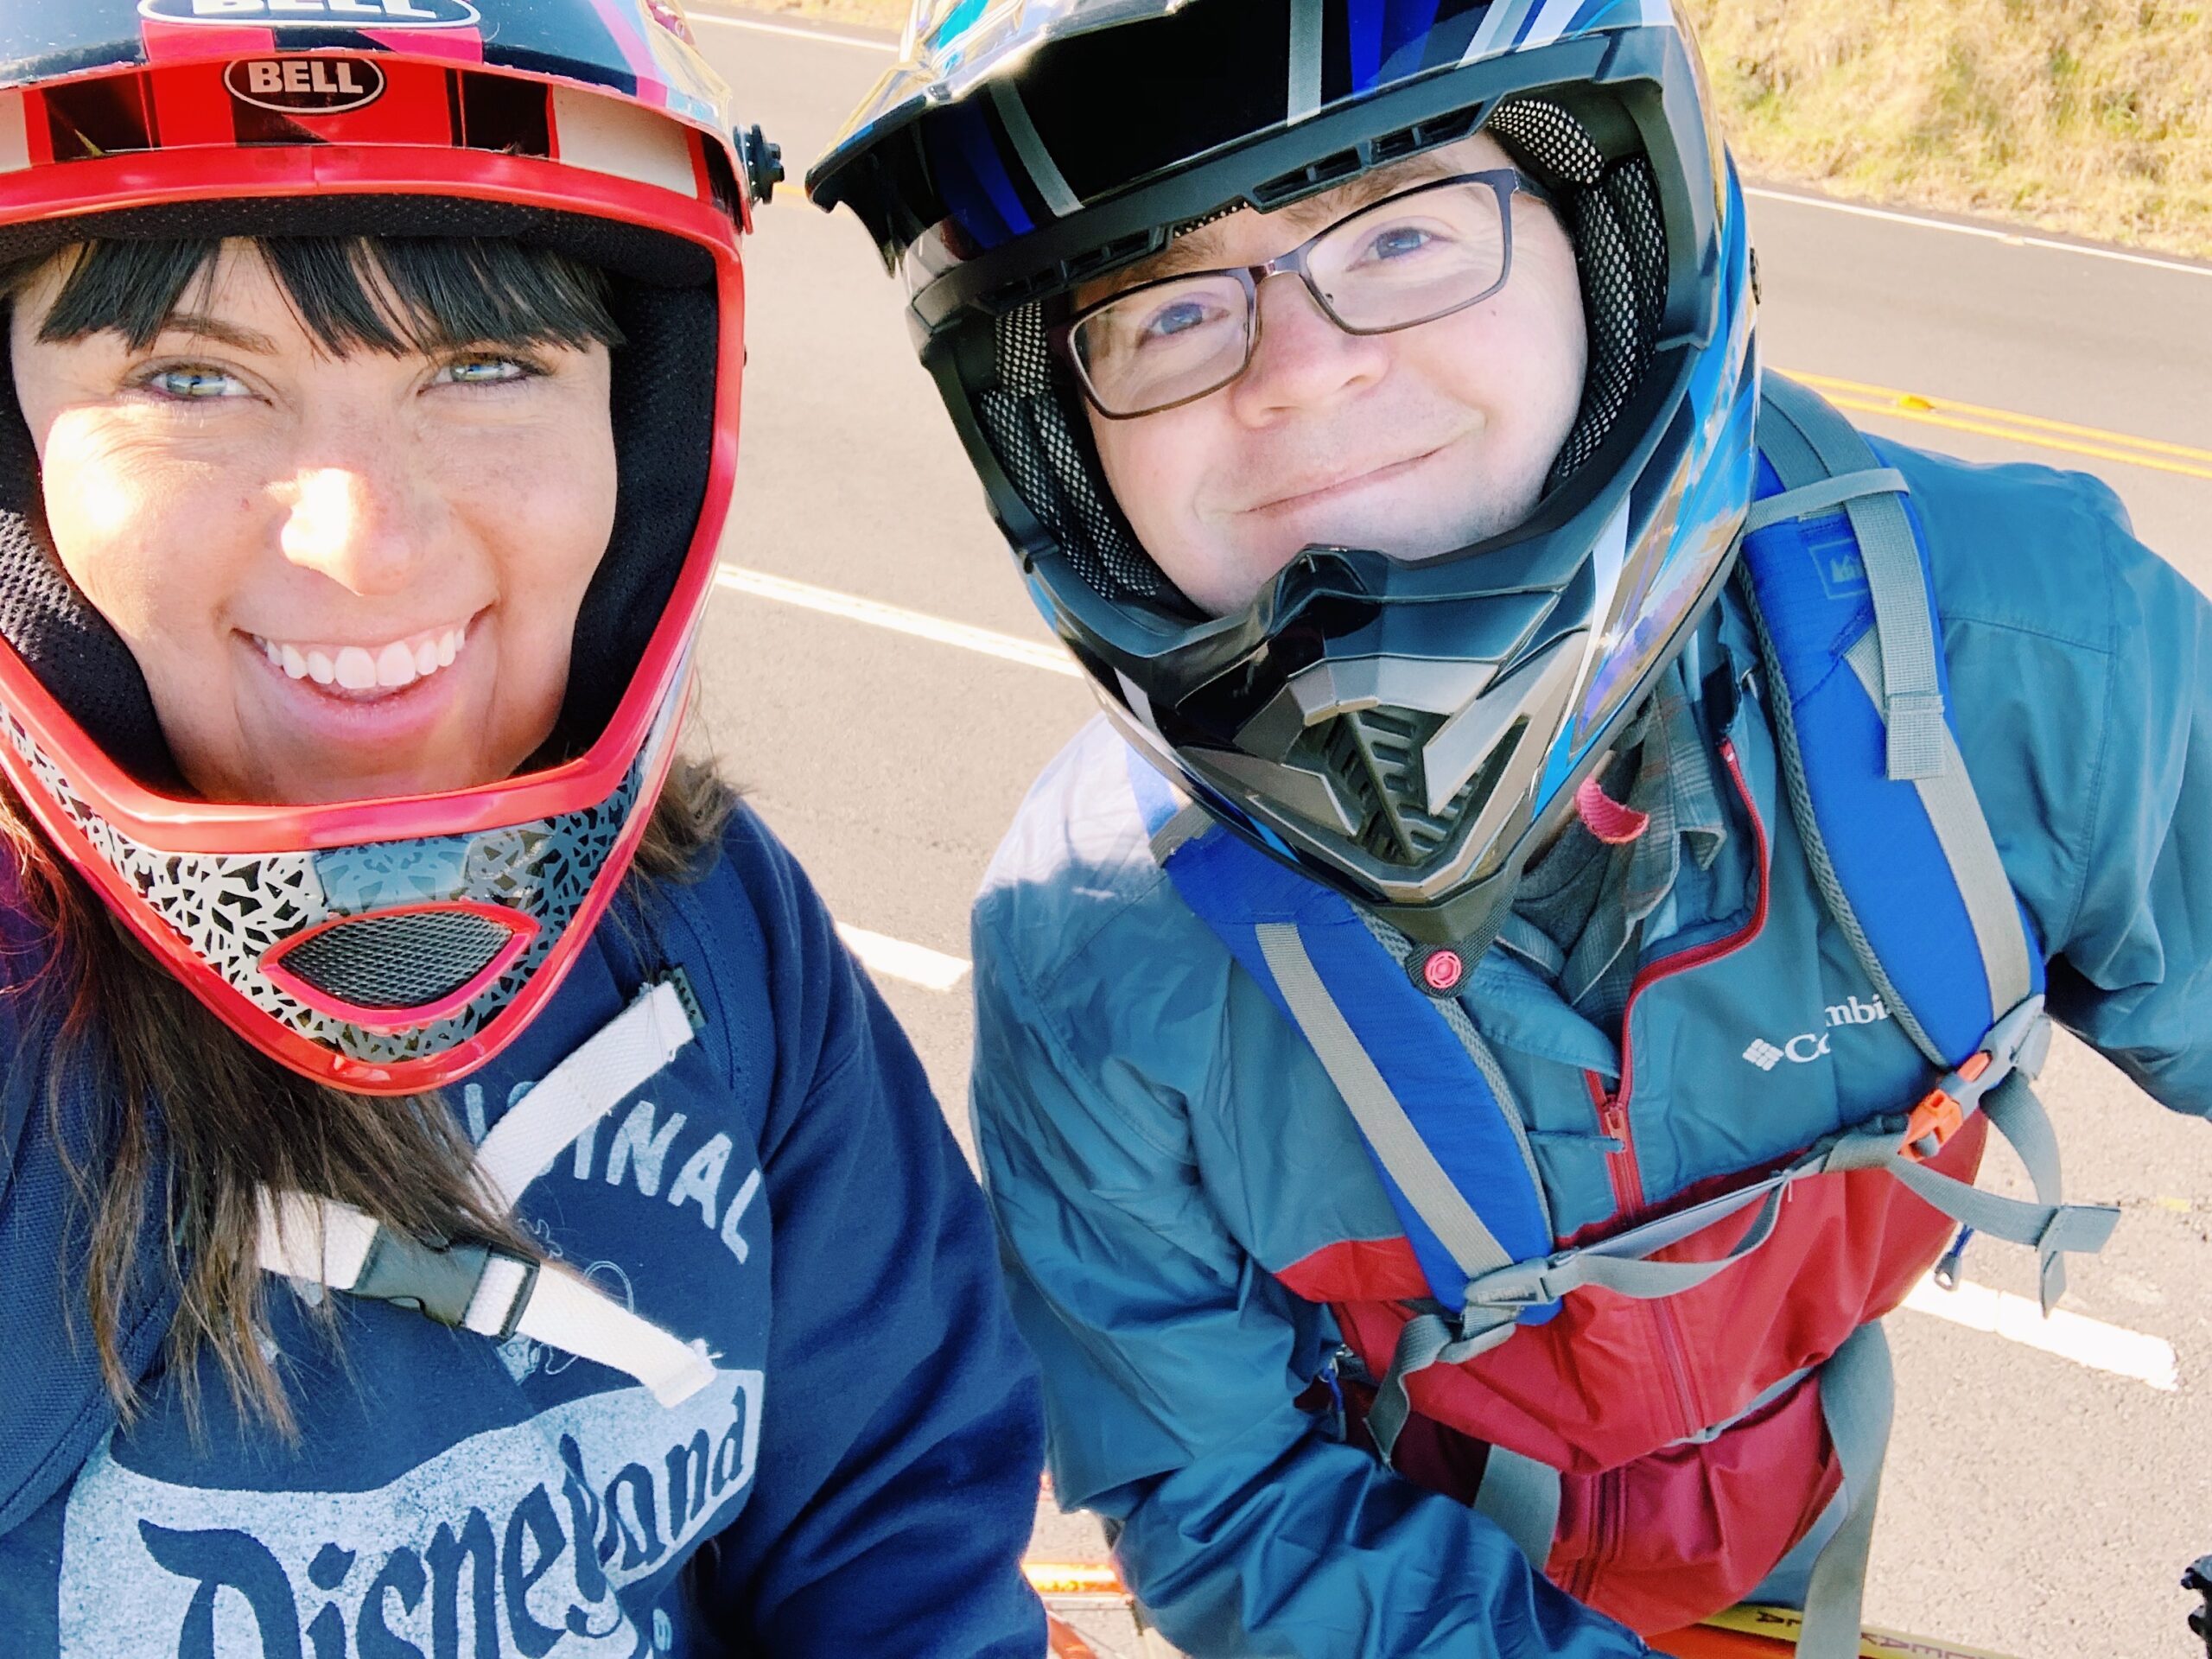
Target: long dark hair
point(188, 1117)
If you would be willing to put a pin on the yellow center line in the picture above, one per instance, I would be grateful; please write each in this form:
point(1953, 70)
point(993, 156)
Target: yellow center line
point(2013, 434)
point(2094, 443)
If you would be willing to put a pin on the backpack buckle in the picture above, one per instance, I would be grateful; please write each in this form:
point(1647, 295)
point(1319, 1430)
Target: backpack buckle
point(2019, 1042)
point(1933, 1122)
point(439, 1280)
point(1943, 1110)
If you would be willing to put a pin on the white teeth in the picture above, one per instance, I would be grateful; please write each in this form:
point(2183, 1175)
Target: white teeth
point(395, 665)
point(356, 669)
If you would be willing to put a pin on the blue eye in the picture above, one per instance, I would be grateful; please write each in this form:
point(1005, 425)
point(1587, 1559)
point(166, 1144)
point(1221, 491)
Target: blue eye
point(483, 371)
point(1398, 242)
point(1179, 317)
point(191, 385)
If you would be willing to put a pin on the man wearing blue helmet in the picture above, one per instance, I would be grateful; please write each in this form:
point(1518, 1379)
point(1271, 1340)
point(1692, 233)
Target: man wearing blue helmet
point(1522, 978)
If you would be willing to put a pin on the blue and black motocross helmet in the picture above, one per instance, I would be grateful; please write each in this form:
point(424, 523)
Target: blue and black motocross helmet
point(1402, 732)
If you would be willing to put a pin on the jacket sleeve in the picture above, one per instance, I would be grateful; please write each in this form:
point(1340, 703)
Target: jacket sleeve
point(2132, 972)
point(1171, 1362)
point(901, 1444)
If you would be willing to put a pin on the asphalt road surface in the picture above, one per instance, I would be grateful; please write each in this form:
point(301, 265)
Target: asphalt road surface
point(2037, 1502)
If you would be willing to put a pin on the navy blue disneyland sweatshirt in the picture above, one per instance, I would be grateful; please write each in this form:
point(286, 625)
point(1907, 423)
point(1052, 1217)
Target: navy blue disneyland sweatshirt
point(857, 1479)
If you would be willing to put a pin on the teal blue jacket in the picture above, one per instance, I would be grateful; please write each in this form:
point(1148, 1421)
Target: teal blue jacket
point(1187, 1210)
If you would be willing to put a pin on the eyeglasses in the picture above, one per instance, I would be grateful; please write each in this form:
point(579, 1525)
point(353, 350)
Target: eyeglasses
point(1408, 259)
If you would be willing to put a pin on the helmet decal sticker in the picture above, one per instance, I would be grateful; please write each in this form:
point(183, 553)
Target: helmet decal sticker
point(314, 14)
point(236, 909)
point(305, 85)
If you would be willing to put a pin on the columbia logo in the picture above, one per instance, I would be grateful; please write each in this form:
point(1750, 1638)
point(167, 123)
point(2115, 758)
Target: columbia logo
point(1809, 1046)
point(1764, 1054)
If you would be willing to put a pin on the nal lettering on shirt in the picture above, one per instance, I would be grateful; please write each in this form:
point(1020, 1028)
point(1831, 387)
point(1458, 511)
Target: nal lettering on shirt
point(651, 1154)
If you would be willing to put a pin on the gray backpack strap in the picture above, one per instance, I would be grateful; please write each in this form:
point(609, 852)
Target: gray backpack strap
point(2049, 1226)
point(1857, 1399)
point(1811, 445)
point(1823, 494)
point(1521, 1495)
point(1823, 463)
point(1955, 811)
point(1620, 1264)
point(1377, 1111)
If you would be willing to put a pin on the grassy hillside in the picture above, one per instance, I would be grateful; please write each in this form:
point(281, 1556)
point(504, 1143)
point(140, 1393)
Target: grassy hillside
point(2091, 116)
point(2088, 116)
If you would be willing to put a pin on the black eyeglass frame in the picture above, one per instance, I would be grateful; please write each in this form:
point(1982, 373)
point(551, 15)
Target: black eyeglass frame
point(1507, 181)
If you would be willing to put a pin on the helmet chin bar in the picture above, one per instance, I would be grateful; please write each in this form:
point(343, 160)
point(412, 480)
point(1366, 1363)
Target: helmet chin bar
point(385, 967)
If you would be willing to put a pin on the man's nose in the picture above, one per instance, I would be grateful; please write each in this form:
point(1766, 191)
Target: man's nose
point(359, 522)
point(1300, 358)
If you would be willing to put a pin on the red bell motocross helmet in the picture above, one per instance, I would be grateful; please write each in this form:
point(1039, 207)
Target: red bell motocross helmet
point(392, 945)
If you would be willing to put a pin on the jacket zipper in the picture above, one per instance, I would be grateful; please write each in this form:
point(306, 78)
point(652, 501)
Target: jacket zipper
point(1620, 1164)
point(1614, 1117)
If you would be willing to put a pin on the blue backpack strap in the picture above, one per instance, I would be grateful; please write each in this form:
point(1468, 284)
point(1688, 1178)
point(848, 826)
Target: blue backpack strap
point(1843, 600)
point(1452, 1155)
point(1903, 855)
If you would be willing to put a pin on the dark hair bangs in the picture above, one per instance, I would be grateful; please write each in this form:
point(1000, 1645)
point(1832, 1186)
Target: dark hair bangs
point(393, 294)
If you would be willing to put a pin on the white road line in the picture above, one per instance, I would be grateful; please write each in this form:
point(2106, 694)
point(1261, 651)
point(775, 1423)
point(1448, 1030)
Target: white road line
point(1029, 653)
point(2146, 1359)
point(2016, 238)
point(823, 36)
point(916, 964)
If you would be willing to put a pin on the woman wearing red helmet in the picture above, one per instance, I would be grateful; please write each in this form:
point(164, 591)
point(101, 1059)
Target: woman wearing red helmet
point(366, 434)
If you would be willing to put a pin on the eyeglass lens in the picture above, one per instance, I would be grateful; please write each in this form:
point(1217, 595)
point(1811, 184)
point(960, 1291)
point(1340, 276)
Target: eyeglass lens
point(1408, 260)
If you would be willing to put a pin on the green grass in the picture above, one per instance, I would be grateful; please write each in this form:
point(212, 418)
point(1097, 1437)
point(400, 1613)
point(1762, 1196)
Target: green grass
point(2090, 118)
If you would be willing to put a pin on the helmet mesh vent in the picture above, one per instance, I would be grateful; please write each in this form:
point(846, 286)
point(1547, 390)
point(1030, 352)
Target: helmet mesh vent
point(1611, 210)
point(1030, 422)
point(1373, 759)
point(1623, 261)
point(1551, 139)
point(398, 961)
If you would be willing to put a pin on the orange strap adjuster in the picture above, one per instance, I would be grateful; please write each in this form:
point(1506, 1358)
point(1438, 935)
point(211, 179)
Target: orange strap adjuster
point(1939, 1114)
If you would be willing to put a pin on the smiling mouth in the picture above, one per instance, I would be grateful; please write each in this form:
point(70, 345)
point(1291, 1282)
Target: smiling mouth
point(366, 673)
point(1342, 485)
